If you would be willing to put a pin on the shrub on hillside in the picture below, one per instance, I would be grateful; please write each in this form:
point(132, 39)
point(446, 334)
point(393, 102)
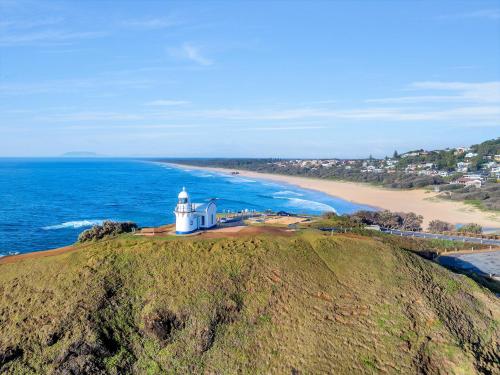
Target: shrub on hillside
point(390, 220)
point(440, 226)
point(331, 219)
point(108, 228)
point(329, 215)
point(471, 228)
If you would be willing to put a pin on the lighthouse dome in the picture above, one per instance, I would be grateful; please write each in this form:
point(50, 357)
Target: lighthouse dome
point(183, 194)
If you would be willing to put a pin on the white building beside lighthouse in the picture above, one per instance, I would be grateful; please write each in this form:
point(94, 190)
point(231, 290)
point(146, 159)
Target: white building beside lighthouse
point(190, 217)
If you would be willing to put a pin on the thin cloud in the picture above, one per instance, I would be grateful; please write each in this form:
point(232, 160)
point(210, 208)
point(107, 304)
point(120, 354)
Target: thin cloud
point(150, 23)
point(492, 14)
point(190, 52)
point(28, 24)
point(469, 113)
point(167, 103)
point(70, 85)
point(92, 116)
point(481, 92)
point(416, 99)
point(477, 107)
point(273, 128)
point(126, 127)
point(47, 37)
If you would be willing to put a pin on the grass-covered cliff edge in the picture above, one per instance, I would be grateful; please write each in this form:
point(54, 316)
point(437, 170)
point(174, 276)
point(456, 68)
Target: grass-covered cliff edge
point(304, 303)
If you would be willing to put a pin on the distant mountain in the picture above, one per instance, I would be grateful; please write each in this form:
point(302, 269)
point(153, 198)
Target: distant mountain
point(79, 154)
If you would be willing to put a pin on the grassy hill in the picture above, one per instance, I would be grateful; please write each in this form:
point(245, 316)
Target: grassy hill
point(300, 304)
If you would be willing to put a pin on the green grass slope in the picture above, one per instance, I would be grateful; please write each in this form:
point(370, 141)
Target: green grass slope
point(303, 304)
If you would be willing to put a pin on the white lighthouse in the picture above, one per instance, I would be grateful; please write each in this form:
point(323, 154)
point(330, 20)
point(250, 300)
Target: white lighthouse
point(190, 217)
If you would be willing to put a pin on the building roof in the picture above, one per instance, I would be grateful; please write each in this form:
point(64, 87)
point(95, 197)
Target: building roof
point(201, 207)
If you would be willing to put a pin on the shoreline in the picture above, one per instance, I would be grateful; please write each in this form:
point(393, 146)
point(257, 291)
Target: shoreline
point(38, 254)
point(420, 201)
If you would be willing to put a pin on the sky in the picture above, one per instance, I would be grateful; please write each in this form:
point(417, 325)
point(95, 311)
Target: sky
point(247, 78)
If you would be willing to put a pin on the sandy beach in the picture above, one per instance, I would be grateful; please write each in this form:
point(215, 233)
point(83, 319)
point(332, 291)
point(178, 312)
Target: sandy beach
point(419, 201)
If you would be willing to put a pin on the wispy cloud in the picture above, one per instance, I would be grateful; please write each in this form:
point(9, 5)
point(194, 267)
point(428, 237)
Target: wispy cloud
point(19, 31)
point(131, 127)
point(493, 14)
point(190, 52)
point(167, 103)
point(482, 92)
point(92, 116)
point(47, 37)
point(150, 23)
point(473, 104)
point(70, 85)
point(28, 24)
point(469, 113)
point(283, 128)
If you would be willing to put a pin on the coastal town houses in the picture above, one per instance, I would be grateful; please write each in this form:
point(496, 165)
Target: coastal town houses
point(446, 166)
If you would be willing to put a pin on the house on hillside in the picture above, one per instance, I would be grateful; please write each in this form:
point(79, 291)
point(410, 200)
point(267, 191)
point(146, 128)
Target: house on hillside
point(470, 155)
point(463, 167)
point(468, 181)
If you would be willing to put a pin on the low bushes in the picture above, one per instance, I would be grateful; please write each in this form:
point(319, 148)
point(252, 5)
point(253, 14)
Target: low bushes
point(392, 220)
point(438, 226)
point(471, 228)
point(108, 228)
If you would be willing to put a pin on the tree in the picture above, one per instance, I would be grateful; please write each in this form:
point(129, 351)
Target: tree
point(440, 226)
point(365, 217)
point(395, 155)
point(388, 219)
point(412, 221)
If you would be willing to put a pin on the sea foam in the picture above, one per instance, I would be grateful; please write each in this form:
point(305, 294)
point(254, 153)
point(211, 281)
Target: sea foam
point(9, 253)
point(307, 204)
point(74, 224)
point(287, 192)
point(239, 180)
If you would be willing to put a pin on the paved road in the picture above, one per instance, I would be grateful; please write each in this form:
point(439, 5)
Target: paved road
point(480, 263)
point(429, 236)
point(442, 237)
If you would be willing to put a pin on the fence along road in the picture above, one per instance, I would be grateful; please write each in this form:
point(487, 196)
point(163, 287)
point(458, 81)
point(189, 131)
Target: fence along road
point(403, 233)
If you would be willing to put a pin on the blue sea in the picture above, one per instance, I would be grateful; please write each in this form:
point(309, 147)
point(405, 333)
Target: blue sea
point(46, 203)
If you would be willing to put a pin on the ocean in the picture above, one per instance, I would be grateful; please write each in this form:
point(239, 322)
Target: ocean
point(46, 203)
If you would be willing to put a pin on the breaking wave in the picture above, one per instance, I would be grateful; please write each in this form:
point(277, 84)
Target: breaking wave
point(9, 253)
point(74, 224)
point(308, 205)
point(239, 180)
point(287, 192)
